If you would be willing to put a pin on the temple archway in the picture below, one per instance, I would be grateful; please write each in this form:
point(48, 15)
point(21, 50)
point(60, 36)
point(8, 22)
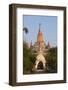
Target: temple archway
point(40, 62)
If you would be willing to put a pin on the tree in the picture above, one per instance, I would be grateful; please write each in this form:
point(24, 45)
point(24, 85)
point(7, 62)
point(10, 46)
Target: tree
point(52, 60)
point(26, 55)
point(28, 59)
point(25, 29)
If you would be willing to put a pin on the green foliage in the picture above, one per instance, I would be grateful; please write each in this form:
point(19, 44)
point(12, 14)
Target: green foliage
point(28, 59)
point(52, 60)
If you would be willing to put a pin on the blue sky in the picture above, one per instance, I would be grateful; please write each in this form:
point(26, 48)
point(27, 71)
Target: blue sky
point(48, 28)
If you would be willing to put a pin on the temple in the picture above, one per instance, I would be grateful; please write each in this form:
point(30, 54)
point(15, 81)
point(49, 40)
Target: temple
point(39, 49)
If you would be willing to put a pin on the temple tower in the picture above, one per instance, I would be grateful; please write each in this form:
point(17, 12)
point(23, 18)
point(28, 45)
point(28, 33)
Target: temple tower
point(39, 50)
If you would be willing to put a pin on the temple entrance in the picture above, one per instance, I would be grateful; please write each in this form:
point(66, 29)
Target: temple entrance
point(40, 65)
